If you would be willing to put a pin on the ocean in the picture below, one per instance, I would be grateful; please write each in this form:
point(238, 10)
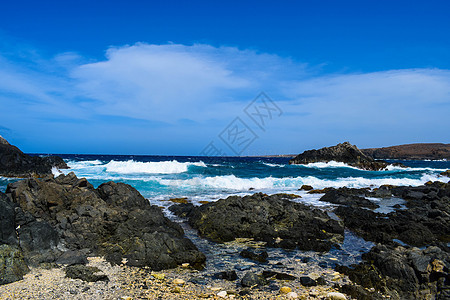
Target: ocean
point(159, 178)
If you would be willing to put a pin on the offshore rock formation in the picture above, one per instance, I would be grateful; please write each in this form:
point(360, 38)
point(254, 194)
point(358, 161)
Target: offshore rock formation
point(273, 219)
point(344, 152)
point(15, 163)
point(45, 218)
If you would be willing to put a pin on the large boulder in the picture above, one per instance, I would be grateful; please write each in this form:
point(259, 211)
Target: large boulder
point(274, 219)
point(15, 163)
point(113, 220)
point(344, 152)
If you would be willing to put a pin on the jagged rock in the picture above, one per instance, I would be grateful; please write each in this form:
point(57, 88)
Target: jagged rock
point(336, 197)
point(426, 219)
point(345, 153)
point(7, 223)
point(402, 273)
point(113, 220)
point(15, 163)
point(12, 264)
point(273, 219)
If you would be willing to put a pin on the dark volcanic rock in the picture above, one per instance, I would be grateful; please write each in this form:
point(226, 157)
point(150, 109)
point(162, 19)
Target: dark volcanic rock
point(85, 273)
point(411, 151)
point(253, 254)
point(12, 264)
point(226, 275)
point(15, 163)
point(280, 276)
point(345, 153)
point(7, 224)
point(72, 258)
point(307, 281)
point(113, 220)
point(252, 279)
point(403, 273)
point(425, 221)
point(273, 219)
point(337, 197)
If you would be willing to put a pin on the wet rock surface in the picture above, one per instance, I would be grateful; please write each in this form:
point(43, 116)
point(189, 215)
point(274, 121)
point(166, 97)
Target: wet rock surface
point(344, 152)
point(15, 163)
point(272, 219)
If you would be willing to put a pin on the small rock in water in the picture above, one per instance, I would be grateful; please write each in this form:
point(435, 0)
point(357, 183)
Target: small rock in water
point(292, 295)
point(226, 275)
point(336, 296)
point(306, 187)
point(178, 281)
point(307, 281)
point(254, 255)
point(285, 290)
point(252, 279)
point(222, 294)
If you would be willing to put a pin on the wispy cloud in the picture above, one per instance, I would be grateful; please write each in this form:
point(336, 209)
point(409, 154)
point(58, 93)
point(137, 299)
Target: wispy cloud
point(203, 87)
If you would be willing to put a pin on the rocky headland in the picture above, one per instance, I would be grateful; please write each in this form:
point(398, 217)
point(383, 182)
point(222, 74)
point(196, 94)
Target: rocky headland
point(345, 153)
point(434, 151)
point(15, 163)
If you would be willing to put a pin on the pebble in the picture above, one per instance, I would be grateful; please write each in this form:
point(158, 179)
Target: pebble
point(178, 281)
point(292, 295)
point(158, 276)
point(336, 296)
point(285, 290)
point(215, 288)
point(222, 294)
point(185, 265)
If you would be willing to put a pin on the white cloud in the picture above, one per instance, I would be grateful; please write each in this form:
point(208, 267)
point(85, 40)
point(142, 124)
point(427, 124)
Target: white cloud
point(174, 82)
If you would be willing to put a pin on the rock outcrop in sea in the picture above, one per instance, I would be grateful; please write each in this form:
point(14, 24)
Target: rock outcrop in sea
point(43, 220)
point(15, 163)
point(344, 152)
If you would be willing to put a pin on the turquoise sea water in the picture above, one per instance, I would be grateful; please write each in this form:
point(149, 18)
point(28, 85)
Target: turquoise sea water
point(159, 178)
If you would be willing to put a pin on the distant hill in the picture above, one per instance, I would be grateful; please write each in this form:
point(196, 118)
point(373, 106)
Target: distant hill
point(411, 151)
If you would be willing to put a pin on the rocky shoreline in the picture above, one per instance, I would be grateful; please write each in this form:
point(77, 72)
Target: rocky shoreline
point(63, 238)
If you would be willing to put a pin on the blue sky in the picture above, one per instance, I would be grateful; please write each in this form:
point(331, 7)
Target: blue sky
point(141, 77)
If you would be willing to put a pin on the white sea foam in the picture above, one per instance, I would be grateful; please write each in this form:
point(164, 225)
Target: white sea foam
point(160, 167)
point(336, 164)
point(56, 172)
point(330, 164)
point(231, 182)
point(273, 165)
